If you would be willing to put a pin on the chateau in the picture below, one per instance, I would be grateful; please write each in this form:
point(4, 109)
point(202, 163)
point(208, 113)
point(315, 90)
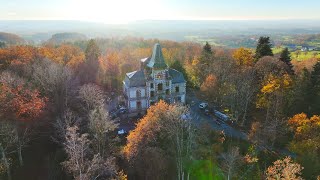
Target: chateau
point(154, 81)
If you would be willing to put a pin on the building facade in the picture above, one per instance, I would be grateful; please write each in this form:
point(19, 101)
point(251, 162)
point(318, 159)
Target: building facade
point(154, 81)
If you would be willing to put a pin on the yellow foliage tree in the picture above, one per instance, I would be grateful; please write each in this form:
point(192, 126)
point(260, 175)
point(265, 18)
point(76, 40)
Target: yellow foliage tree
point(243, 56)
point(271, 87)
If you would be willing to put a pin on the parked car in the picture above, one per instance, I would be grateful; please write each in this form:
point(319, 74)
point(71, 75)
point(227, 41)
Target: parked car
point(203, 105)
point(122, 110)
point(221, 116)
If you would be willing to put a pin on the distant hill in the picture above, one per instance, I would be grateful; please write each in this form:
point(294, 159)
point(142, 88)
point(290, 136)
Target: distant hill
point(11, 39)
point(66, 37)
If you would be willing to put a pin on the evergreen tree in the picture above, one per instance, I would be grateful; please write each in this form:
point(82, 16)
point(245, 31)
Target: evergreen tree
point(315, 89)
point(91, 65)
point(207, 48)
point(205, 61)
point(286, 58)
point(263, 48)
point(92, 51)
point(299, 99)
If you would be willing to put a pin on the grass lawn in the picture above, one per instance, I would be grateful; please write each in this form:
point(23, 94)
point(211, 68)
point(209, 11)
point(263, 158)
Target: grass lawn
point(305, 55)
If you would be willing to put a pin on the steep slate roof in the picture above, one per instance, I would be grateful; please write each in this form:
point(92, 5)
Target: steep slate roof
point(157, 60)
point(136, 79)
point(177, 77)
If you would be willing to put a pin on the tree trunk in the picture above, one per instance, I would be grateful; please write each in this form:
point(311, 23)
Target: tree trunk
point(20, 154)
point(6, 163)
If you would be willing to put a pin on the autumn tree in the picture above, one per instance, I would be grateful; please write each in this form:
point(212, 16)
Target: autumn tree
point(16, 57)
point(80, 163)
point(269, 65)
point(272, 93)
point(64, 54)
point(243, 56)
point(263, 48)
point(286, 58)
point(19, 100)
point(109, 70)
point(306, 142)
point(284, 169)
point(209, 87)
point(163, 123)
point(19, 105)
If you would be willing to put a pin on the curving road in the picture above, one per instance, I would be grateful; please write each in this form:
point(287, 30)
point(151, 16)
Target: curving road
point(199, 117)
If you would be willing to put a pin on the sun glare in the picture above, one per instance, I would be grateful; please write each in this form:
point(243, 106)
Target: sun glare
point(114, 12)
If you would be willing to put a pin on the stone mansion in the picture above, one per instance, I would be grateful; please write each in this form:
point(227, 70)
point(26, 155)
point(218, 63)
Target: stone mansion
point(154, 81)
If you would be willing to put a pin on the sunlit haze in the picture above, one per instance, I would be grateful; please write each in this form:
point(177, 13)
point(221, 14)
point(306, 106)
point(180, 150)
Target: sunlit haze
point(124, 11)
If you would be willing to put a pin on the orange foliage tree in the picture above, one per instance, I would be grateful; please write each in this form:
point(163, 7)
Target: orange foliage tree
point(17, 56)
point(306, 142)
point(209, 86)
point(22, 102)
point(64, 54)
point(284, 169)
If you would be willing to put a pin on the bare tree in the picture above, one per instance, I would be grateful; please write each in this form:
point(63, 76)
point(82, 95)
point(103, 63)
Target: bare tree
point(230, 161)
point(8, 139)
point(241, 93)
point(68, 119)
point(92, 96)
point(180, 131)
point(80, 163)
point(55, 81)
point(100, 125)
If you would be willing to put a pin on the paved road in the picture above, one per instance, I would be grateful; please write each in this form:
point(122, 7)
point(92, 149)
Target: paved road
point(199, 117)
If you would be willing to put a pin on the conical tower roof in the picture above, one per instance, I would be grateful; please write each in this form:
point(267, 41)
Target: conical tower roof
point(157, 60)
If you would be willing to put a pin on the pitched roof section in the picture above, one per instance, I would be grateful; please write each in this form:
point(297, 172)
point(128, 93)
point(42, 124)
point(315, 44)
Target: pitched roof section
point(177, 77)
point(157, 60)
point(136, 79)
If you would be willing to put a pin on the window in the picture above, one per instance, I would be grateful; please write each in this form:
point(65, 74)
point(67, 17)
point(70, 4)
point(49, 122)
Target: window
point(177, 89)
point(138, 93)
point(160, 88)
point(167, 91)
point(177, 99)
point(151, 85)
point(167, 83)
point(151, 93)
point(139, 106)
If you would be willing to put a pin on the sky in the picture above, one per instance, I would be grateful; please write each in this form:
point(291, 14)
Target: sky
point(124, 11)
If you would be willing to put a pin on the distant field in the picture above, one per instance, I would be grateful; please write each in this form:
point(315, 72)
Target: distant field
point(301, 55)
point(305, 55)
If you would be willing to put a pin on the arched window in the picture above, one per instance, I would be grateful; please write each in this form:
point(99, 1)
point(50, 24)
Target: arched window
point(138, 93)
